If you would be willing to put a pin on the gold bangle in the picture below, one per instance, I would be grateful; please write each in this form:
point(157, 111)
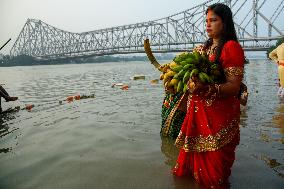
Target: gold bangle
point(217, 86)
point(209, 91)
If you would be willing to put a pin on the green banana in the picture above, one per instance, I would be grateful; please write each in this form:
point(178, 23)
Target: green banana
point(196, 56)
point(181, 73)
point(184, 88)
point(205, 78)
point(180, 86)
point(186, 76)
point(189, 60)
point(202, 77)
point(193, 72)
point(187, 66)
point(177, 59)
point(214, 66)
point(183, 63)
point(176, 76)
point(177, 68)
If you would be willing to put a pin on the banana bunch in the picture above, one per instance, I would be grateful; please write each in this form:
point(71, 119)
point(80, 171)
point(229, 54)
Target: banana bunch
point(184, 66)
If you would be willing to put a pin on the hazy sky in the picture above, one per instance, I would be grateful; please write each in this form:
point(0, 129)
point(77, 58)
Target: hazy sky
point(84, 15)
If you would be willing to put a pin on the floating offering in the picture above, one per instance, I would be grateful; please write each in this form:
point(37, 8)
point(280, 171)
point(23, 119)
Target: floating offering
point(125, 87)
point(77, 97)
point(87, 96)
point(117, 84)
point(137, 77)
point(154, 81)
point(70, 99)
point(29, 107)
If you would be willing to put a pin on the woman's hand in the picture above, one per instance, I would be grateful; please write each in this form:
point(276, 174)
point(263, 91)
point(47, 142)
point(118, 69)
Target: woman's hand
point(169, 90)
point(196, 87)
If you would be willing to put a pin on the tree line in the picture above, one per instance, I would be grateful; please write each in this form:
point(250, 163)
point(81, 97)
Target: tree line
point(26, 60)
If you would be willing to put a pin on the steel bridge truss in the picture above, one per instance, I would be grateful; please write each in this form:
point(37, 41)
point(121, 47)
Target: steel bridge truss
point(178, 32)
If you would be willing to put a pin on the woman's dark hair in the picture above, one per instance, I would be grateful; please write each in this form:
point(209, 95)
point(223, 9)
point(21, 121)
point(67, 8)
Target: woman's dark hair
point(229, 32)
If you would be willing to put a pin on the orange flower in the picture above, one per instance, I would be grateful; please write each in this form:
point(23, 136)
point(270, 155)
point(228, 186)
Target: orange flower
point(77, 97)
point(70, 99)
point(29, 107)
point(125, 87)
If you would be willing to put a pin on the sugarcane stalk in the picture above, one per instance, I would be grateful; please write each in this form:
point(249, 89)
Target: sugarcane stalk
point(150, 55)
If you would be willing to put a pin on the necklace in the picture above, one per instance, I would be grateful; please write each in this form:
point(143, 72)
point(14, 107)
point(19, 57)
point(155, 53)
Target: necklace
point(212, 49)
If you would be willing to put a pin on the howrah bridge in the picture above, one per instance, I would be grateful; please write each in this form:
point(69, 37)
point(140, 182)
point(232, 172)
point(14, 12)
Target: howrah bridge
point(257, 23)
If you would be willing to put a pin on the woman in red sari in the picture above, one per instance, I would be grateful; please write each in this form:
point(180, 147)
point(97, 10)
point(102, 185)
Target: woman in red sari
point(210, 131)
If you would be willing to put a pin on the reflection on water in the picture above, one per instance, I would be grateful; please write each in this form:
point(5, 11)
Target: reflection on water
point(112, 140)
point(272, 163)
point(169, 150)
point(278, 119)
point(5, 129)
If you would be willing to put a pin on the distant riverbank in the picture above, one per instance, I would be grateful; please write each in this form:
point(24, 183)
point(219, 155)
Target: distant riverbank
point(25, 60)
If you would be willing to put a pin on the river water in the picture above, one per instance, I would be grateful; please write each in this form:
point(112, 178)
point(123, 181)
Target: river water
point(112, 140)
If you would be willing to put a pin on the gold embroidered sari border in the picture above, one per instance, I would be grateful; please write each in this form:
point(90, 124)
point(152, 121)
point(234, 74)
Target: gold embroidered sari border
point(165, 130)
point(210, 142)
point(234, 71)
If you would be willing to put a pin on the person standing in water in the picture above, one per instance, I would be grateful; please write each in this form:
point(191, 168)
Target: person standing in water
point(210, 131)
point(277, 55)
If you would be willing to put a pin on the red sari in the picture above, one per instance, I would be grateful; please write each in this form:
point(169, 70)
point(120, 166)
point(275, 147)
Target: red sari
point(210, 131)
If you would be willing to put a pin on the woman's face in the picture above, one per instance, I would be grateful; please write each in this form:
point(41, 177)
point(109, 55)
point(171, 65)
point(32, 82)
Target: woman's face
point(214, 25)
